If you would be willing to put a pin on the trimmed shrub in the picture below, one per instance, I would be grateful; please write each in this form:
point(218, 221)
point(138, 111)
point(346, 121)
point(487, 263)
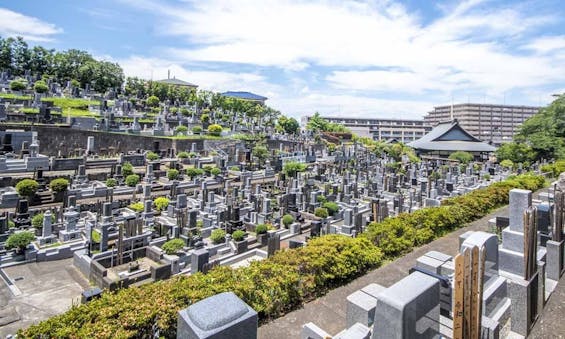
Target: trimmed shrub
point(461, 156)
point(238, 235)
point(27, 187)
point(218, 236)
point(19, 240)
point(132, 180)
point(37, 220)
point(137, 206)
point(17, 85)
point(507, 163)
point(40, 86)
point(287, 219)
point(215, 171)
point(181, 129)
point(197, 129)
point(215, 129)
point(182, 155)
point(194, 172)
point(111, 182)
point(321, 212)
point(161, 203)
point(261, 228)
point(152, 156)
point(332, 207)
point(127, 169)
point(172, 174)
point(59, 185)
point(152, 101)
point(173, 246)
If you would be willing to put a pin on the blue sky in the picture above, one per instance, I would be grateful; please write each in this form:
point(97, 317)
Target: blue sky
point(380, 58)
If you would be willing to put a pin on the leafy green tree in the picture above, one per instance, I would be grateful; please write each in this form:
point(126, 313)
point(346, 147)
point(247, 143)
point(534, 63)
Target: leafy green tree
point(288, 125)
point(161, 203)
point(507, 163)
point(172, 174)
point(40, 86)
point(153, 101)
point(515, 152)
point(545, 131)
point(102, 75)
point(59, 185)
point(291, 168)
point(173, 246)
point(215, 129)
point(260, 152)
point(27, 187)
point(132, 180)
point(19, 240)
point(461, 156)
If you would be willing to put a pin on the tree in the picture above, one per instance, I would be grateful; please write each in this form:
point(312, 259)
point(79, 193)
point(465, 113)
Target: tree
point(27, 187)
point(461, 156)
point(173, 246)
point(321, 212)
point(161, 203)
point(288, 125)
point(59, 185)
point(153, 101)
point(132, 180)
point(293, 167)
point(18, 85)
point(545, 131)
point(19, 240)
point(218, 236)
point(287, 220)
point(204, 118)
point(507, 163)
point(172, 174)
point(40, 86)
point(215, 129)
point(516, 152)
point(260, 152)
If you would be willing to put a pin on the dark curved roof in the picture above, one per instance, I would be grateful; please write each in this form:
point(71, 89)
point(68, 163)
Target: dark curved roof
point(449, 136)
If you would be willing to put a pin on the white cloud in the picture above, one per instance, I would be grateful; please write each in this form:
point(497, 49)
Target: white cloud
point(359, 50)
point(30, 28)
point(156, 69)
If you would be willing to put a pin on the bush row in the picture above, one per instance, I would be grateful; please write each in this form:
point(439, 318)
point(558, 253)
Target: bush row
point(276, 285)
point(554, 169)
point(395, 236)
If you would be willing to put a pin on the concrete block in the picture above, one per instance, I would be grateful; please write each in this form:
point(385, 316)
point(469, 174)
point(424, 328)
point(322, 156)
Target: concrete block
point(357, 331)
point(360, 309)
point(222, 316)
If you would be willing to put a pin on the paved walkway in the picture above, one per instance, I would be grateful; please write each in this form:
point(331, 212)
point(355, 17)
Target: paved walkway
point(328, 312)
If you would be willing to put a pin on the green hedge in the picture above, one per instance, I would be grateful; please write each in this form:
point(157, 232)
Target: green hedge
point(272, 287)
point(399, 235)
point(276, 285)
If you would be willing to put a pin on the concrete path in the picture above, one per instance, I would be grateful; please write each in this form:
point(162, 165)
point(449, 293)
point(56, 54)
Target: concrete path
point(328, 312)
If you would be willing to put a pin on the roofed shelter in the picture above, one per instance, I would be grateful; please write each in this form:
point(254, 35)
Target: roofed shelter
point(449, 137)
point(246, 96)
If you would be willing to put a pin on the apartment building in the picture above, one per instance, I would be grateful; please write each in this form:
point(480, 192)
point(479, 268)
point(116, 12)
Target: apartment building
point(491, 123)
point(401, 130)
